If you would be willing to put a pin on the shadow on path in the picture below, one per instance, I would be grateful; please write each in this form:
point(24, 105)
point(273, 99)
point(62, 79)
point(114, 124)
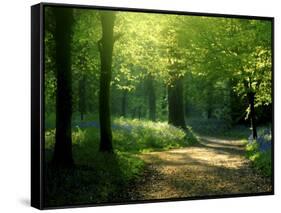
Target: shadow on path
point(213, 167)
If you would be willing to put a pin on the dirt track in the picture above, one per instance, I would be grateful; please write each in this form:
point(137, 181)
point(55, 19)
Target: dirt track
point(214, 167)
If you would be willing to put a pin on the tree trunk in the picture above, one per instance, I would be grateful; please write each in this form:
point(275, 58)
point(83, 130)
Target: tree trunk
point(151, 99)
point(175, 104)
point(209, 112)
point(139, 112)
point(82, 98)
point(164, 102)
point(251, 96)
point(124, 103)
point(209, 99)
point(63, 146)
point(106, 48)
point(134, 112)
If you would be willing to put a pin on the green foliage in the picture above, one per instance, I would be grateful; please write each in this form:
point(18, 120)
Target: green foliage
point(130, 136)
point(261, 160)
point(215, 127)
point(102, 177)
point(50, 120)
point(219, 60)
point(144, 135)
point(97, 177)
point(258, 153)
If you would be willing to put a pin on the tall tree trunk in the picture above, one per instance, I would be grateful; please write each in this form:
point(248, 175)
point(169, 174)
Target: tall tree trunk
point(134, 112)
point(176, 104)
point(106, 48)
point(151, 98)
point(251, 96)
point(63, 146)
point(209, 105)
point(139, 112)
point(209, 112)
point(82, 96)
point(164, 102)
point(124, 103)
point(209, 99)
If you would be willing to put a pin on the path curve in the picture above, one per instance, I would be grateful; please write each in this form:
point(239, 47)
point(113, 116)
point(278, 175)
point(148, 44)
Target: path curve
point(213, 167)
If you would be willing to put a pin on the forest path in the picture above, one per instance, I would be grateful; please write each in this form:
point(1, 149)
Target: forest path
point(213, 167)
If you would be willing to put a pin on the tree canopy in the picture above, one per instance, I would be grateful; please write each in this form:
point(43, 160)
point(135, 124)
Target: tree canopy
point(165, 67)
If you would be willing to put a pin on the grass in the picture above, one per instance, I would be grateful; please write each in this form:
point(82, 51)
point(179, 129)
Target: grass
point(134, 136)
point(103, 177)
point(144, 136)
point(260, 158)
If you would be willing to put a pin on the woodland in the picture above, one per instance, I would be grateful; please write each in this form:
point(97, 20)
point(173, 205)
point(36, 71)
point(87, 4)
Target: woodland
point(142, 106)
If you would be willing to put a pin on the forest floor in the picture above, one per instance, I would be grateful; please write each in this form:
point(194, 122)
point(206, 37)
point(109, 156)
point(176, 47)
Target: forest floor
point(213, 167)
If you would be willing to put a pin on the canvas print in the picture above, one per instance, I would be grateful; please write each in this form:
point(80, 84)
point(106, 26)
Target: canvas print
point(149, 106)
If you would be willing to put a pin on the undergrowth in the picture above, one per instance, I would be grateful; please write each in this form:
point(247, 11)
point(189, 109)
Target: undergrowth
point(105, 177)
point(259, 152)
point(218, 128)
point(260, 160)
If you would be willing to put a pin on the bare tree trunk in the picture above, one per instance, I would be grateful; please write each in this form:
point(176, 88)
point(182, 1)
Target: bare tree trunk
point(124, 103)
point(176, 104)
point(151, 98)
point(251, 96)
point(82, 97)
point(63, 146)
point(106, 49)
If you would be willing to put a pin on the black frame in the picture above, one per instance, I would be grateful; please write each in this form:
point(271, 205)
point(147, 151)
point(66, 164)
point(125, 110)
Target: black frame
point(37, 102)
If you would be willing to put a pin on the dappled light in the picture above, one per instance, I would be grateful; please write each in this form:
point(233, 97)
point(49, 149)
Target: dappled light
point(200, 170)
point(143, 106)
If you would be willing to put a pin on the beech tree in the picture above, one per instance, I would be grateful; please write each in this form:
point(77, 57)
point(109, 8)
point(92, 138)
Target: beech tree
point(106, 48)
point(62, 36)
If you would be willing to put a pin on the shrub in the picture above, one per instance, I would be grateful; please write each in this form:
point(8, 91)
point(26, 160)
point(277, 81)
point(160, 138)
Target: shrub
point(261, 159)
point(142, 135)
